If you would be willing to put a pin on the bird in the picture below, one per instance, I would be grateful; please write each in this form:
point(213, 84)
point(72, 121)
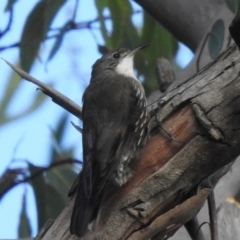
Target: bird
point(115, 128)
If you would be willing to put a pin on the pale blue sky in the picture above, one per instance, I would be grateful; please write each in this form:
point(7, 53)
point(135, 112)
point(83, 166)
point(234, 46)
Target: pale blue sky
point(28, 137)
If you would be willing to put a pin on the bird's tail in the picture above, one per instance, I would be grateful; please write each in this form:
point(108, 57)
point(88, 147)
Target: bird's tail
point(82, 213)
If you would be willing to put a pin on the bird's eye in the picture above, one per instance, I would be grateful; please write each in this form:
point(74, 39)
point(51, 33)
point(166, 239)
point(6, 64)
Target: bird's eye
point(116, 55)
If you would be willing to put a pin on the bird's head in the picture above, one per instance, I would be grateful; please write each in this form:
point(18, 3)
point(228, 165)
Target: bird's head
point(119, 60)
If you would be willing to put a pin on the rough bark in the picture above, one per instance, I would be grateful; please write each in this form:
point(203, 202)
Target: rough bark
point(203, 113)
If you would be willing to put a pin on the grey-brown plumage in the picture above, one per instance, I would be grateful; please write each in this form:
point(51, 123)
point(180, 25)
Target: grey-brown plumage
point(115, 128)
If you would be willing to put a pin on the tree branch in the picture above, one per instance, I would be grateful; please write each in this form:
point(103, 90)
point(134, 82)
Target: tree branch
point(56, 96)
point(204, 114)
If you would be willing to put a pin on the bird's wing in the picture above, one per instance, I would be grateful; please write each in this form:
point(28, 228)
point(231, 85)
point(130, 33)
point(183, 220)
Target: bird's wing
point(106, 114)
point(94, 175)
point(109, 149)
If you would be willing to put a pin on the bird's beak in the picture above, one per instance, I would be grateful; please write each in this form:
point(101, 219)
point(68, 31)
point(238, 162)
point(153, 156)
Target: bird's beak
point(133, 51)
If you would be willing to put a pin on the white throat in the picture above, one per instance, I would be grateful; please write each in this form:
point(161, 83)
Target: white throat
point(125, 67)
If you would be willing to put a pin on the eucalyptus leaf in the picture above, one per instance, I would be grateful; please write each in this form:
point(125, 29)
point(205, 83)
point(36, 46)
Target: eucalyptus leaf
point(122, 36)
point(51, 9)
point(58, 42)
point(101, 6)
point(35, 30)
point(24, 227)
point(38, 184)
point(11, 88)
point(57, 150)
point(54, 202)
point(216, 38)
point(60, 128)
point(62, 178)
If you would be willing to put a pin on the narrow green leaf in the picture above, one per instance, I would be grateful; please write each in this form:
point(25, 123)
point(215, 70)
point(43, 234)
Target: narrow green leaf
point(58, 42)
point(124, 33)
point(57, 150)
point(60, 128)
point(232, 5)
point(61, 178)
point(216, 39)
point(39, 190)
point(35, 30)
point(147, 31)
point(11, 88)
point(24, 227)
point(32, 35)
point(54, 202)
point(102, 5)
point(51, 9)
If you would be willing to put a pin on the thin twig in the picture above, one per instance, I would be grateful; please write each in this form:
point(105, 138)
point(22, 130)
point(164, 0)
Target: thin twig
point(56, 96)
point(72, 26)
point(193, 230)
point(9, 46)
point(212, 216)
point(9, 23)
point(201, 50)
point(75, 10)
point(199, 228)
point(39, 172)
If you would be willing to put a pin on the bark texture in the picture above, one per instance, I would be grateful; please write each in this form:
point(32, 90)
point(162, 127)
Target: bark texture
point(203, 114)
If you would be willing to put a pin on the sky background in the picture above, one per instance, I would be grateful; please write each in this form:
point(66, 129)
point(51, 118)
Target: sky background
point(28, 137)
